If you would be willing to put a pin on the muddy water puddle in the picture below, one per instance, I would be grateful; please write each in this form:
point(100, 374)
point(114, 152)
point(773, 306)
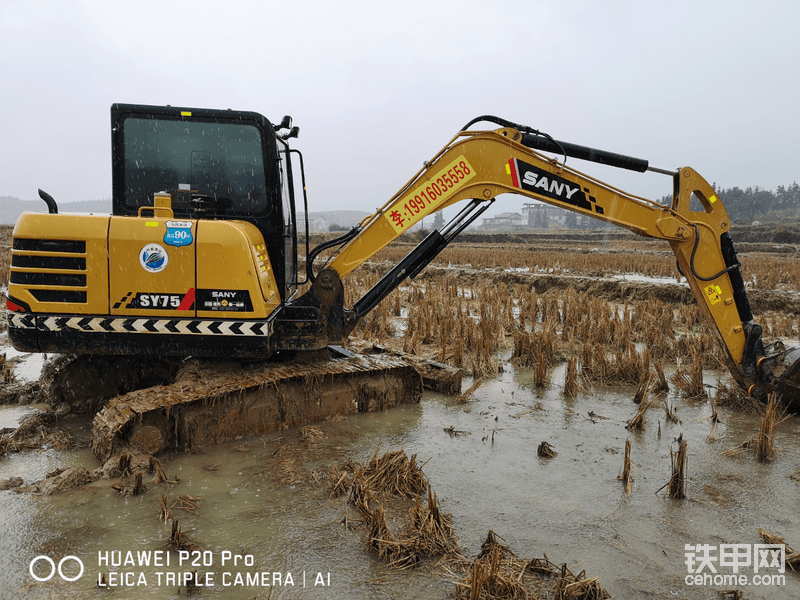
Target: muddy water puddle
point(486, 473)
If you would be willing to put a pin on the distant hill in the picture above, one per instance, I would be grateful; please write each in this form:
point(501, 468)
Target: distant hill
point(11, 208)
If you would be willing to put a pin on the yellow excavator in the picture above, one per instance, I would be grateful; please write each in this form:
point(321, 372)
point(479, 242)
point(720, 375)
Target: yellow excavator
point(200, 255)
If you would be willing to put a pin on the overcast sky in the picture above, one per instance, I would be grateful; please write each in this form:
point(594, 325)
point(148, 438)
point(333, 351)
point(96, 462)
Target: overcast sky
point(379, 87)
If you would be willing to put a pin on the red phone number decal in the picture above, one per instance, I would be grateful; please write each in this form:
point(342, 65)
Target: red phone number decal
point(424, 199)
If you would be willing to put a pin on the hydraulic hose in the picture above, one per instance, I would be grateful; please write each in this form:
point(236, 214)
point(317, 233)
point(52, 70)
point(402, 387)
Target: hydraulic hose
point(342, 239)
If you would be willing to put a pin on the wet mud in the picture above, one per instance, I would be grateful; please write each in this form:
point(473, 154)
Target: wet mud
point(269, 495)
point(531, 484)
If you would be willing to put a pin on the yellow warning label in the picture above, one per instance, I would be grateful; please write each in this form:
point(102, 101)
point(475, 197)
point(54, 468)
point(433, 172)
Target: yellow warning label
point(714, 294)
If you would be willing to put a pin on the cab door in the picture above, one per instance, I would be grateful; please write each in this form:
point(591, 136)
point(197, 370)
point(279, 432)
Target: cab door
point(289, 233)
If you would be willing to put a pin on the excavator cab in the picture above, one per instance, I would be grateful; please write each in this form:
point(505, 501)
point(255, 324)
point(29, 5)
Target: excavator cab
point(213, 164)
point(198, 257)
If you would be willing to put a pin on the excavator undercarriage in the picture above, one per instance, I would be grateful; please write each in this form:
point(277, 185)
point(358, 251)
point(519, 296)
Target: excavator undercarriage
point(151, 406)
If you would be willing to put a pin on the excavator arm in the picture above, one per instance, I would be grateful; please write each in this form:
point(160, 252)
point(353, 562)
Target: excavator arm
point(480, 165)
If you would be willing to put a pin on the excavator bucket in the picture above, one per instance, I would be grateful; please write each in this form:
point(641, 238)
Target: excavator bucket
point(779, 373)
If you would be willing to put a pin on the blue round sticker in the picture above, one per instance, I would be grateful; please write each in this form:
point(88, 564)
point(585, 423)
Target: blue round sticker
point(153, 258)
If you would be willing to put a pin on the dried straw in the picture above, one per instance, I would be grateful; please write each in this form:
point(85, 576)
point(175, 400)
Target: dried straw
point(637, 422)
point(545, 450)
point(179, 541)
point(139, 488)
point(430, 531)
point(540, 379)
point(191, 584)
point(161, 474)
point(392, 474)
point(187, 503)
point(163, 504)
point(670, 412)
point(310, 434)
point(571, 386)
point(579, 588)
point(340, 481)
point(792, 556)
point(688, 380)
point(453, 432)
point(735, 397)
point(676, 487)
point(763, 442)
point(661, 385)
point(462, 399)
point(627, 477)
point(497, 574)
point(644, 388)
point(712, 435)
point(731, 594)
point(286, 467)
point(427, 533)
point(124, 465)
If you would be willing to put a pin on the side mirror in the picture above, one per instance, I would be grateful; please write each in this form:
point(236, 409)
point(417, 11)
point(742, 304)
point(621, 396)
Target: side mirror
point(286, 123)
point(295, 132)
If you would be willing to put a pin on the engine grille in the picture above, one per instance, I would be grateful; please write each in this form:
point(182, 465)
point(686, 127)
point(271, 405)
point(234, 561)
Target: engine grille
point(46, 266)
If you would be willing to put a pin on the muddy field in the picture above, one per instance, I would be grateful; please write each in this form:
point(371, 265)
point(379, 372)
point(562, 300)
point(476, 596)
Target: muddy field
point(579, 352)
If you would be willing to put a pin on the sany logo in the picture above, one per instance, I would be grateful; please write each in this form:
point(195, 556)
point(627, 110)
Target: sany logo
point(553, 186)
point(53, 568)
point(543, 183)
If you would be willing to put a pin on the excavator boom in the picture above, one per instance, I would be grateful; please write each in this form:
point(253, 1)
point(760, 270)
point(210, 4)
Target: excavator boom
point(481, 165)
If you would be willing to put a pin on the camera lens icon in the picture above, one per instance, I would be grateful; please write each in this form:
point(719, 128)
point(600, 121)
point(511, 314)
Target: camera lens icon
point(53, 568)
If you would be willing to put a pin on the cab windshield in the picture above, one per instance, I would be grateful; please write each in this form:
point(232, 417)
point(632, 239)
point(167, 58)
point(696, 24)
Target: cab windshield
point(223, 161)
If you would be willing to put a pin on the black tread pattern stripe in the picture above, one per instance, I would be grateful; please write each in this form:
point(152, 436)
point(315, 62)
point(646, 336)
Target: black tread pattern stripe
point(21, 321)
point(90, 324)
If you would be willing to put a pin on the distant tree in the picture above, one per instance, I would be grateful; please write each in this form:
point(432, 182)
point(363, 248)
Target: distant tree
point(753, 203)
point(336, 227)
point(438, 221)
point(788, 198)
point(571, 220)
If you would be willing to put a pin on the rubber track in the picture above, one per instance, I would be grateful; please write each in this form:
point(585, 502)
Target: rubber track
point(128, 408)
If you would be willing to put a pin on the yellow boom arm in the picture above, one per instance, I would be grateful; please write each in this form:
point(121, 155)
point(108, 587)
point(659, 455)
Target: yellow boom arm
point(481, 165)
